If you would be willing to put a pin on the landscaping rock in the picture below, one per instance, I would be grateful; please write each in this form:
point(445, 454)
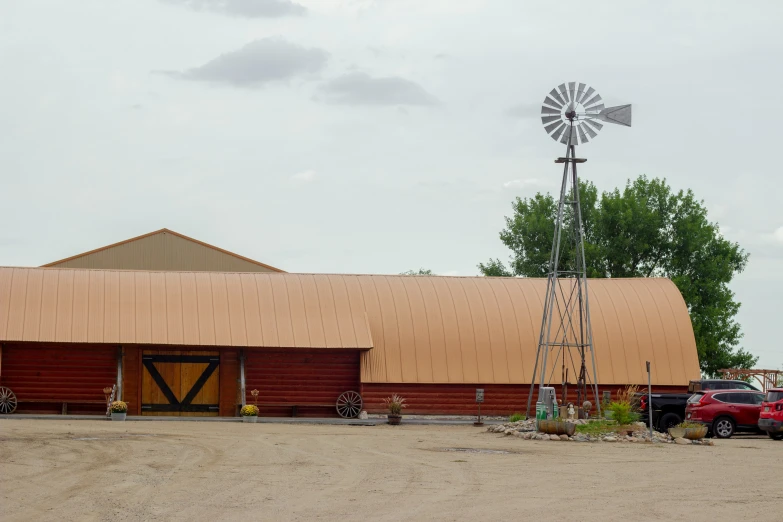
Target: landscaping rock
point(563, 437)
point(681, 440)
point(554, 437)
point(609, 439)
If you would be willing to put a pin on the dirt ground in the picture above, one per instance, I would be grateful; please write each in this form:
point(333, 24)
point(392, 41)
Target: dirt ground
point(99, 470)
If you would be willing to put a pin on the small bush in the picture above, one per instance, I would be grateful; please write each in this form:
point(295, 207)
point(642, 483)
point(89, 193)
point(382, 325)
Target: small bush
point(395, 404)
point(119, 407)
point(689, 424)
point(516, 417)
point(622, 412)
point(249, 410)
point(596, 427)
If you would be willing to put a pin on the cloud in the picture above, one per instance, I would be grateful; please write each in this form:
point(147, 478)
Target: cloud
point(300, 178)
point(245, 8)
point(778, 234)
point(521, 183)
point(257, 63)
point(362, 89)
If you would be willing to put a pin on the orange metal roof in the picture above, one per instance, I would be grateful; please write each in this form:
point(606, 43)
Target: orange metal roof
point(162, 231)
point(421, 329)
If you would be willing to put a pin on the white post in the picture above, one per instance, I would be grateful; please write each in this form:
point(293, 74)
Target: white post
point(119, 373)
point(242, 375)
point(649, 399)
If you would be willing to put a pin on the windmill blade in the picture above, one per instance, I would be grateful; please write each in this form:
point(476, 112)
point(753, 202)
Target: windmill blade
point(563, 92)
point(556, 135)
point(620, 115)
point(582, 137)
point(549, 110)
point(552, 103)
point(554, 94)
point(590, 132)
point(595, 124)
point(595, 99)
point(572, 91)
point(586, 95)
point(552, 126)
point(549, 119)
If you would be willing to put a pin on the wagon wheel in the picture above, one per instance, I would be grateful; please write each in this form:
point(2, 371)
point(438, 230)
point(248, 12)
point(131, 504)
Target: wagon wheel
point(349, 404)
point(7, 400)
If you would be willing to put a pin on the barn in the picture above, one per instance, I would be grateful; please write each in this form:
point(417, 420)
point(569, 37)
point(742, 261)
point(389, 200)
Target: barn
point(184, 328)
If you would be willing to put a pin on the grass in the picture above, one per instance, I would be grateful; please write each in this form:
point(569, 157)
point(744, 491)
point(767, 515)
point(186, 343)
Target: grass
point(516, 417)
point(597, 427)
point(689, 424)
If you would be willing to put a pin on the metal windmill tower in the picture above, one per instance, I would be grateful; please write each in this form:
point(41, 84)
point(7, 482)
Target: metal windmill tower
point(572, 114)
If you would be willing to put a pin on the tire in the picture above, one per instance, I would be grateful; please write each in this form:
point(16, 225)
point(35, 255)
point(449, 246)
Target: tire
point(775, 436)
point(668, 420)
point(724, 427)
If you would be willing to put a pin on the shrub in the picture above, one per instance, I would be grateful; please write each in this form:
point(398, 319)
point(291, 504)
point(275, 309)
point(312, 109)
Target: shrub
point(395, 404)
point(630, 395)
point(516, 417)
point(249, 410)
point(689, 424)
point(119, 407)
point(595, 428)
point(622, 412)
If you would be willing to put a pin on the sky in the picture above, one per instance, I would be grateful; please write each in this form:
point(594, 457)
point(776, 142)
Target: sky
point(377, 136)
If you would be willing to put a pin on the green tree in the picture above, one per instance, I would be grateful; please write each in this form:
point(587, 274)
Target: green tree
point(644, 230)
point(420, 271)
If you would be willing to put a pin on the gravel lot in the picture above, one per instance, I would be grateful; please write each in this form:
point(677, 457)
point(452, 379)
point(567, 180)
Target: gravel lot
point(99, 470)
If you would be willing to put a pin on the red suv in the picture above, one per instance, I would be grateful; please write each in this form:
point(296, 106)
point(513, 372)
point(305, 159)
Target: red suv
point(725, 411)
point(771, 418)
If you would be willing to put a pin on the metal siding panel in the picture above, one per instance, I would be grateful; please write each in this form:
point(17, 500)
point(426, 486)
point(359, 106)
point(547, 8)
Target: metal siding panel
point(667, 340)
point(220, 305)
point(451, 334)
point(313, 312)
point(96, 308)
point(143, 305)
point(437, 344)
point(639, 319)
point(80, 324)
point(602, 342)
point(508, 318)
point(372, 364)
point(32, 306)
point(65, 305)
point(344, 314)
point(652, 345)
point(236, 310)
point(298, 312)
point(127, 308)
point(368, 296)
point(682, 323)
point(267, 311)
point(611, 361)
point(174, 326)
point(527, 316)
point(159, 322)
point(377, 294)
point(206, 317)
point(328, 309)
point(403, 338)
point(47, 324)
point(6, 277)
point(465, 329)
point(190, 320)
point(252, 311)
point(282, 312)
point(111, 316)
point(497, 336)
point(481, 332)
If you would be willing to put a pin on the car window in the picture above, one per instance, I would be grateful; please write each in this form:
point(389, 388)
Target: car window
point(742, 398)
point(722, 397)
point(774, 396)
point(757, 398)
point(695, 397)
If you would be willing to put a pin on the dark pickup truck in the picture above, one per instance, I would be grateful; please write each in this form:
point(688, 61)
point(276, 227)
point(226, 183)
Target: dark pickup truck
point(668, 409)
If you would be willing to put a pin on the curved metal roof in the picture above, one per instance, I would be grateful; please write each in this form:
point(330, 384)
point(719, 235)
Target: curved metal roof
point(422, 329)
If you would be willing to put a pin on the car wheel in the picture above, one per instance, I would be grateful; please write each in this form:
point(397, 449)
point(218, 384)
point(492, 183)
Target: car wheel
point(723, 427)
point(669, 420)
point(775, 436)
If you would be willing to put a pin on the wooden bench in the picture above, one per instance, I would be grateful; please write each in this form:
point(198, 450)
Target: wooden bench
point(294, 406)
point(64, 403)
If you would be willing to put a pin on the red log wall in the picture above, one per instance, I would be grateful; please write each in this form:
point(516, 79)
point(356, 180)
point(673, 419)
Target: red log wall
point(50, 374)
point(460, 399)
point(300, 376)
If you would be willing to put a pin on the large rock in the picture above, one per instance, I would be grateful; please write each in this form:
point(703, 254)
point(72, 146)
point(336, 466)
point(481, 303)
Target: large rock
point(554, 437)
point(563, 437)
point(610, 439)
point(682, 440)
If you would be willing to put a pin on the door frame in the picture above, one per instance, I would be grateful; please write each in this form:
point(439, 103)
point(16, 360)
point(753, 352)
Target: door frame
point(175, 405)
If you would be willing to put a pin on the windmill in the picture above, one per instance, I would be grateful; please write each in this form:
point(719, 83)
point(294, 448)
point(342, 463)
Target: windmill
point(572, 114)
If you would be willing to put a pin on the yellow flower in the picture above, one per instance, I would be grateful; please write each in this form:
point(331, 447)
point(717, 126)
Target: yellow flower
point(249, 410)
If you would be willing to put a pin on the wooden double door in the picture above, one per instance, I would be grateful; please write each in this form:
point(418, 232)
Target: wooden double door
point(180, 383)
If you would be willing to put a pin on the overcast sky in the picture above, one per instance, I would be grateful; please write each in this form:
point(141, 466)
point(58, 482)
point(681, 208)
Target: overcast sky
point(377, 136)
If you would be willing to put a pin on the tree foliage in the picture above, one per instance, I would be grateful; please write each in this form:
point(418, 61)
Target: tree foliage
point(644, 230)
point(420, 271)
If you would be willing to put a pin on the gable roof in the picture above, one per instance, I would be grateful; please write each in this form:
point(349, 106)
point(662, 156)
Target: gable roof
point(91, 260)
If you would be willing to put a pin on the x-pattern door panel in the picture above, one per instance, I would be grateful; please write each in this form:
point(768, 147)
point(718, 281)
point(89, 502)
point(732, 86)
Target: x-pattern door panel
point(180, 383)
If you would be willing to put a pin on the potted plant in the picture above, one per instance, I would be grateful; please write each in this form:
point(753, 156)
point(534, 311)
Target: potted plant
point(249, 413)
point(395, 404)
point(688, 430)
point(119, 410)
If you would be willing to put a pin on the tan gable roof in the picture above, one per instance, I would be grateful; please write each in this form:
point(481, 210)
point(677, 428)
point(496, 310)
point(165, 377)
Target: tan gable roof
point(421, 329)
point(163, 249)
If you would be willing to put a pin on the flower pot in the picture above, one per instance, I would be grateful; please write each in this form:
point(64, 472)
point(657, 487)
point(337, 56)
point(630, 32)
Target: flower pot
point(696, 433)
point(250, 418)
point(394, 420)
point(677, 433)
point(118, 416)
